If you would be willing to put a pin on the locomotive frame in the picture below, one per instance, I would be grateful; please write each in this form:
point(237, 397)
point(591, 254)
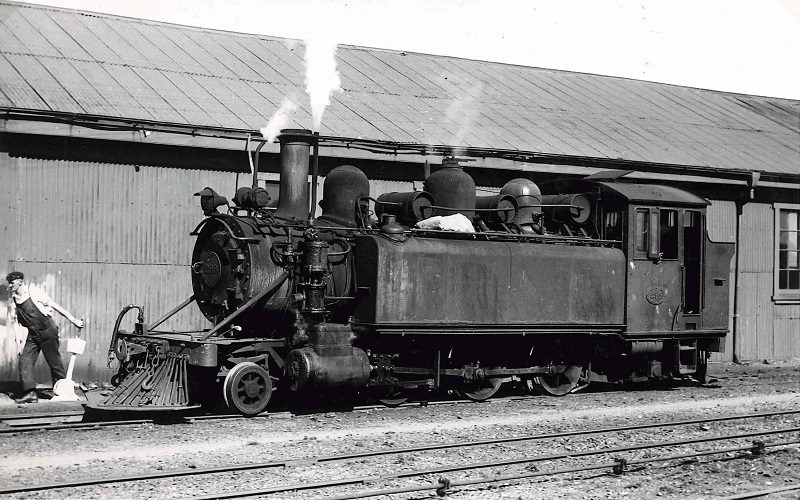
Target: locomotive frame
point(604, 280)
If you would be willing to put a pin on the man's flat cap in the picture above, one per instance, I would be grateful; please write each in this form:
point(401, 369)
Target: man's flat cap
point(14, 275)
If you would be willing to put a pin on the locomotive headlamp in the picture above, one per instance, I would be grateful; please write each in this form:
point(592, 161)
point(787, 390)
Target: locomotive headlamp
point(210, 200)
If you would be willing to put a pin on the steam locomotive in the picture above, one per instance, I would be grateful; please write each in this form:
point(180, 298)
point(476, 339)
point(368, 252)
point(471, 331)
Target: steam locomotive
point(602, 280)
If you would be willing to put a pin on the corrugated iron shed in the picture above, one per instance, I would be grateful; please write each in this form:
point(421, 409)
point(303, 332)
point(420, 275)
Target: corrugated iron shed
point(62, 60)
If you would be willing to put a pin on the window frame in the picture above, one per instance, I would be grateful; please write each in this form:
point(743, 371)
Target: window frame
point(781, 296)
point(641, 233)
point(702, 233)
point(678, 226)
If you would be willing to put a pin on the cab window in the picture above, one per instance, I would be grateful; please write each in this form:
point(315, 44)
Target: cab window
point(612, 225)
point(669, 234)
point(641, 232)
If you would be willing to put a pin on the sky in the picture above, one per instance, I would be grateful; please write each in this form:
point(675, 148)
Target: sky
point(745, 46)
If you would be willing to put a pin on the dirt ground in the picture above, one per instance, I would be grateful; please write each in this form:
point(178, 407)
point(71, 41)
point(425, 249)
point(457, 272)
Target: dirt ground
point(44, 457)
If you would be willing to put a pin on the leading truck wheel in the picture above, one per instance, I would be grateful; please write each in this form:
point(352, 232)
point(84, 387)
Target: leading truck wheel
point(559, 383)
point(393, 396)
point(247, 388)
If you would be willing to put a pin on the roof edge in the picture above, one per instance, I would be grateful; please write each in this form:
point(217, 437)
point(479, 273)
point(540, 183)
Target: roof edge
point(387, 147)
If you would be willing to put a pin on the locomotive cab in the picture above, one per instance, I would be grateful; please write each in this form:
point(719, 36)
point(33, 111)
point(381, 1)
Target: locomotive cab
point(676, 298)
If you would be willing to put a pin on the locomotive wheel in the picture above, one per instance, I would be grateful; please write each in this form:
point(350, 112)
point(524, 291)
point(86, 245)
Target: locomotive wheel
point(247, 388)
point(394, 396)
point(481, 391)
point(558, 384)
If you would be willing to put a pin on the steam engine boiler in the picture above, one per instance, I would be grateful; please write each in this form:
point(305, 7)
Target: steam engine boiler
point(603, 280)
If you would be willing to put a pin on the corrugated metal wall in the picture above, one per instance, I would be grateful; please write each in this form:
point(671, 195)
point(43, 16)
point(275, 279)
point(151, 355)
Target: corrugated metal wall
point(722, 221)
point(721, 224)
point(379, 187)
point(755, 283)
point(764, 330)
point(97, 237)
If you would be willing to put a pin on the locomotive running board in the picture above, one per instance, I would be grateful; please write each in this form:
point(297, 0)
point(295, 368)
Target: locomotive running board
point(487, 330)
point(675, 335)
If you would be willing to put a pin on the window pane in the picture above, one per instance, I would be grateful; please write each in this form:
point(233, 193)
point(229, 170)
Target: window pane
point(613, 226)
point(641, 230)
point(791, 260)
point(787, 265)
point(794, 280)
point(669, 234)
point(689, 219)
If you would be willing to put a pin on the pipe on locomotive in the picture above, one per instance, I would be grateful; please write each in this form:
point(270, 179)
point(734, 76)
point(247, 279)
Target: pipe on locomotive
point(314, 178)
point(254, 167)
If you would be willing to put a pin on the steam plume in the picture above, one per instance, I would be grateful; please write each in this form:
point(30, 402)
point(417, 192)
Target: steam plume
point(278, 120)
point(322, 78)
point(463, 112)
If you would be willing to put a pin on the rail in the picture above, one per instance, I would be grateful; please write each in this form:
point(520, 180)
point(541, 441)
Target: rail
point(436, 470)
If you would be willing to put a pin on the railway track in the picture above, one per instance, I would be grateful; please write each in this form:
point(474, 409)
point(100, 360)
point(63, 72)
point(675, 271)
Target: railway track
point(36, 422)
point(619, 464)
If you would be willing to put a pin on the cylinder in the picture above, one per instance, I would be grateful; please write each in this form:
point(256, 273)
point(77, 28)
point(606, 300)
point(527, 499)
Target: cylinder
point(307, 370)
point(343, 188)
point(504, 208)
point(452, 188)
point(576, 207)
point(293, 198)
point(408, 207)
point(252, 198)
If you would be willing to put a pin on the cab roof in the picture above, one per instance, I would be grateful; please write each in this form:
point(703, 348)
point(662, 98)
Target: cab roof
point(654, 194)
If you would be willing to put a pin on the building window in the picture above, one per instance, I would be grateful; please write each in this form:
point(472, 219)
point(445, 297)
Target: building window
point(787, 253)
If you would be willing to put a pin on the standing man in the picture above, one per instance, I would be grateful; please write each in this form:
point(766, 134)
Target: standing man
point(34, 311)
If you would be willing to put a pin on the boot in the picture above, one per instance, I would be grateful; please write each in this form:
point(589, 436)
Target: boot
point(29, 397)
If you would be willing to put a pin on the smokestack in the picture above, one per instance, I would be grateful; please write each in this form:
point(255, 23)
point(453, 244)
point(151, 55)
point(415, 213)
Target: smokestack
point(293, 198)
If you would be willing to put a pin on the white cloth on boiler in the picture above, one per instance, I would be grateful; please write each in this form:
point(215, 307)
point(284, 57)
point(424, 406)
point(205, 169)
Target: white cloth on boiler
point(455, 222)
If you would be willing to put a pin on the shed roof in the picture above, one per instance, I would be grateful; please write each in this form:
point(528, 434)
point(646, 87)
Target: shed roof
point(61, 60)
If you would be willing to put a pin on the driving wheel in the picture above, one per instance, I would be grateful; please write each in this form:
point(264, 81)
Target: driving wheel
point(480, 391)
point(247, 388)
point(564, 379)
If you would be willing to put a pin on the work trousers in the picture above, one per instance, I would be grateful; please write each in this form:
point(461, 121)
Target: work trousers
point(40, 341)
